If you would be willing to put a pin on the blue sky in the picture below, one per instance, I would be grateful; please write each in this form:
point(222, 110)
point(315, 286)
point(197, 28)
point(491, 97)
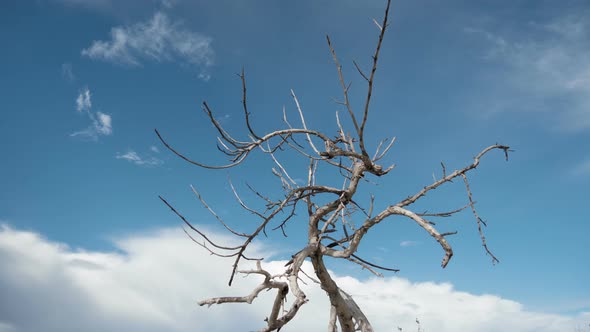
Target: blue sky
point(85, 82)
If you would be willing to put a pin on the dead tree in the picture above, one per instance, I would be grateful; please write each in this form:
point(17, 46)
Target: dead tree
point(329, 210)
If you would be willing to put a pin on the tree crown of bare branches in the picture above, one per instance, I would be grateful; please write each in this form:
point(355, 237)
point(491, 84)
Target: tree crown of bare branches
point(330, 231)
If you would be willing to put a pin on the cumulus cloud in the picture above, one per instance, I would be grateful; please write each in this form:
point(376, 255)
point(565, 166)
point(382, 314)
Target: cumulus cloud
point(151, 282)
point(547, 71)
point(158, 39)
point(133, 157)
point(101, 123)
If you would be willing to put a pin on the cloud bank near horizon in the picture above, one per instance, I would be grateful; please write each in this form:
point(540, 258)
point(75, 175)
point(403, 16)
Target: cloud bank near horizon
point(152, 281)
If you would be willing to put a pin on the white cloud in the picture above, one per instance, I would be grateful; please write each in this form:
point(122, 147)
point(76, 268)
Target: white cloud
point(101, 122)
point(408, 243)
point(100, 126)
point(158, 40)
point(155, 149)
point(548, 71)
point(152, 282)
point(134, 157)
point(83, 102)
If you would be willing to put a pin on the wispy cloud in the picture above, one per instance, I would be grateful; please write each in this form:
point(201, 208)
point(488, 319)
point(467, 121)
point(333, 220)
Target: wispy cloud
point(133, 157)
point(155, 149)
point(101, 123)
point(158, 39)
point(78, 290)
point(83, 102)
point(546, 71)
point(408, 243)
point(67, 72)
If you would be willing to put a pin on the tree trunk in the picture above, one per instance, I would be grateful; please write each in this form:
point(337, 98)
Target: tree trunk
point(349, 315)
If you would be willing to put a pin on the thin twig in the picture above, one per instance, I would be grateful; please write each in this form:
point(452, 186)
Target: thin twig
point(245, 105)
point(479, 221)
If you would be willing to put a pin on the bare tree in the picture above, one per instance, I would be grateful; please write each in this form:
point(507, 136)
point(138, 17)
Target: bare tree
point(329, 210)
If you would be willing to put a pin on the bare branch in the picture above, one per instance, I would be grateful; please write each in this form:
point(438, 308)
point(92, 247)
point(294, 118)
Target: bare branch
point(360, 71)
point(269, 204)
point(479, 220)
point(448, 178)
point(195, 162)
point(375, 265)
point(224, 134)
point(382, 28)
point(282, 169)
point(357, 236)
point(245, 104)
point(268, 283)
point(195, 229)
point(378, 25)
point(444, 214)
point(303, 122)
point(260, 228)
point(241, 202)
point(378, 148)
point(428, 228)
point(244, 149)
point(202, 244)
point(215, 214)
point(344, 87)
point(385, 151)
point(364, 266)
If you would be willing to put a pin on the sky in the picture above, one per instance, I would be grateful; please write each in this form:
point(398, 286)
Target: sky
point(86, 245)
